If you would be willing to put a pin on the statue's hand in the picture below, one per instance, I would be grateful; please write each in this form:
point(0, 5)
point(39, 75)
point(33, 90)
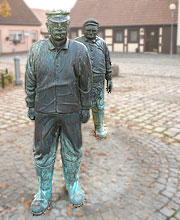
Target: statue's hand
point(84, 116)
point(31, 113)
point(109, 86)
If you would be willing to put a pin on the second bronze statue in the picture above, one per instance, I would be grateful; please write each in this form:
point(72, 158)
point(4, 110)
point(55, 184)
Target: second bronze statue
point(101, 71)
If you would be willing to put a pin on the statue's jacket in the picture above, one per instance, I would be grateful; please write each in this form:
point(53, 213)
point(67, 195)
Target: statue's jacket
point(58, 81)
point(99, 55)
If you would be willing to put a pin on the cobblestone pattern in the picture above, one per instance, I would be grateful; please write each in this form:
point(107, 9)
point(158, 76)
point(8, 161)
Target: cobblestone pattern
point(151, 104)
point(133, 174)
point(13, 110)
point(147, 103)
point(129, 175)
point(147, 64)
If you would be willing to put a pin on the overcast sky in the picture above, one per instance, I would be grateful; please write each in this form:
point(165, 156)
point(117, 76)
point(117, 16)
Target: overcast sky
point(51, 4)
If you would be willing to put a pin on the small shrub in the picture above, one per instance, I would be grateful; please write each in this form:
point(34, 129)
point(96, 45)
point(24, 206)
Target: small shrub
point(8, 78)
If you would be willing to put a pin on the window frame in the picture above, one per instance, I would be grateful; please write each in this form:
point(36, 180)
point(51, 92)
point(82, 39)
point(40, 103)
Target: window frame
point(16, 33)
point(129, 35)
point(36, 34)
point(115, 34)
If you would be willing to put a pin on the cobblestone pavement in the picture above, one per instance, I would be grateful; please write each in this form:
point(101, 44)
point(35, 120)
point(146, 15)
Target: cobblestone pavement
point(151, 104)
point(134, 174)
point(148, 64)
point(130, 175)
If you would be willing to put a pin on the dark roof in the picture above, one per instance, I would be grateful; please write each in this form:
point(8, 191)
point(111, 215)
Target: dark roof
point(21, 14)
point(123, 12)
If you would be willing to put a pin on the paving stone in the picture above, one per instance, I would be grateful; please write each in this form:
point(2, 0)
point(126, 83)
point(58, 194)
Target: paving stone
point(171, 189)
point(157, 135)
point(108, 215)
point(162, 180)
point(167, 193)
point(159, 186)
point(167, 212)
point(159, 129)
point(157, 216)
point(177, 137)
point(178, 215)
point(148, 127)
point(172, 132)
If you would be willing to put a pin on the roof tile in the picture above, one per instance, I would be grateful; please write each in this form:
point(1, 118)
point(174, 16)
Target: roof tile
point(123, 12)
point(21, 14)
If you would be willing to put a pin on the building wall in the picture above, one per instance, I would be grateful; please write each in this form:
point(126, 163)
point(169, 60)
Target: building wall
point(162, 40)
point(141, 39)
point(166, 38)
point(8, 47)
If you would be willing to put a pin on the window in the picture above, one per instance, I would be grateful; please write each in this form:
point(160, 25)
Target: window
point(34, 36)
point(133, 36)
point(119, 36)
point(16, 37)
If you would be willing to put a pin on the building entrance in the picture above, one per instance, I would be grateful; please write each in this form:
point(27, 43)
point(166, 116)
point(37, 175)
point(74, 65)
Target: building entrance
point(151, 39)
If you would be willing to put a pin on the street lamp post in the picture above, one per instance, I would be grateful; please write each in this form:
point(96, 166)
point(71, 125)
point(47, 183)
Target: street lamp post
point(172, 8)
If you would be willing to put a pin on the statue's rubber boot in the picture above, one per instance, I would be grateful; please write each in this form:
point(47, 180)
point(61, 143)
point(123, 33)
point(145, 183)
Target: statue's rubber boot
point(41, 200)
point(98, 118)
point(76, 194)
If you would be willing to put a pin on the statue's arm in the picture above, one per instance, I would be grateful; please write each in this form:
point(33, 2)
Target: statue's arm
point(85, 85)
point(108, 75)
point(30, 85)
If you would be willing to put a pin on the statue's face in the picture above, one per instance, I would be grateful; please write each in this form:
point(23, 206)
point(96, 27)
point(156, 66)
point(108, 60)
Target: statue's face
point(90, 31)
point(58, 31)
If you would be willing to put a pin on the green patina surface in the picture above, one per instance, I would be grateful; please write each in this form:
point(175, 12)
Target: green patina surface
point(58, 86)
point(101, 71)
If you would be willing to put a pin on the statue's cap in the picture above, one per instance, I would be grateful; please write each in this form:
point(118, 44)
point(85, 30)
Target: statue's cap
point(91, 22)
point(58, 16)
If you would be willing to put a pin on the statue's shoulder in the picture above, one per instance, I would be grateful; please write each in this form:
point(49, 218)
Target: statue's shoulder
point(38, 44)
point(78, 44)
point(80, 39)
point(100, 40)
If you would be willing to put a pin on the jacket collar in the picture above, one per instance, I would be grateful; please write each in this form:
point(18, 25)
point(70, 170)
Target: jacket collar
point(90, 41)
point(52, 47)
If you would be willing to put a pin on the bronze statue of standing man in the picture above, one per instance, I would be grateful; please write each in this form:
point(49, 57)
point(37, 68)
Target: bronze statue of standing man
point(101, 70)
point(58, 88)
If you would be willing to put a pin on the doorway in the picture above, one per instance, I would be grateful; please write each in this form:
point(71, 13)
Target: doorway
point(151, 39)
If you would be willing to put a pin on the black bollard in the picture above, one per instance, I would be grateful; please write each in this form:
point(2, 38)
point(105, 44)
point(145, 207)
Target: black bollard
point(2, 80)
